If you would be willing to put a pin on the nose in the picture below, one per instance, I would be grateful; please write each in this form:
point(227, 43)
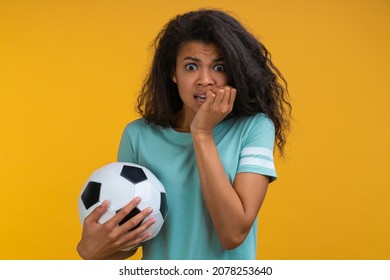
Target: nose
point(205, 78)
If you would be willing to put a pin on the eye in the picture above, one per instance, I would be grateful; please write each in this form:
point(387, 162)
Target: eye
point(219, 68)
point(191, 67)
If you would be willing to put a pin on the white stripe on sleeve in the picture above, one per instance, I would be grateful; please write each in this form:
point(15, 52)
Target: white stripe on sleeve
point(257, 151)
point(258, 162)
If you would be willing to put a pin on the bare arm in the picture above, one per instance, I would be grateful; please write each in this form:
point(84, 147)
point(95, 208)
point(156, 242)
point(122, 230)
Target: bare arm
point(232, 208)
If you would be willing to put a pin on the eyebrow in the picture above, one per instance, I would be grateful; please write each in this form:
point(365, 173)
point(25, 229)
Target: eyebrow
point(195, 59)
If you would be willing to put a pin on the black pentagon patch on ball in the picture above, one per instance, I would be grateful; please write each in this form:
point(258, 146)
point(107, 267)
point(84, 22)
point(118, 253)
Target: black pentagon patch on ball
point(133, 174)
point(133, 213)
point(164, 205)
point(91, 194)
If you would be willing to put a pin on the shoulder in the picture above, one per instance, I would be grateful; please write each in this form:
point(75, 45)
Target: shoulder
point(263, 123)
point(258, 130)
point(136, 124)
point(261, 120)
point(254, 122)
point(141, 127)
point(134, 128)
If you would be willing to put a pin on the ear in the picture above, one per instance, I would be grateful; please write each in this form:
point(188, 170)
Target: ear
point(174, 79)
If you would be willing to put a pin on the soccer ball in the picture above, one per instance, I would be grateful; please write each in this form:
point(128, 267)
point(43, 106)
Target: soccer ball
point(120, 182)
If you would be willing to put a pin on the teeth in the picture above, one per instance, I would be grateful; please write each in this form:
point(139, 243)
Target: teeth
point(201, 98)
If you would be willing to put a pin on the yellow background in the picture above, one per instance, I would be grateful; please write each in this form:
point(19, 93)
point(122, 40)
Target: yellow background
point(69, 75)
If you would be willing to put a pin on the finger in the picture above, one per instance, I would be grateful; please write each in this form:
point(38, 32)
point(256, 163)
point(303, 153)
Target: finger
point(136, 220)
point(229, 97)
point(220, 94)
point(226, 97)
point(210, 98)
point(134, 243)
point(140, 230)
point(95, 215)
point(138, 235)
point(118, 217)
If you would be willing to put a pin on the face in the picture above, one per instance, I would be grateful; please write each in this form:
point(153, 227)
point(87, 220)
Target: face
point(199, 67)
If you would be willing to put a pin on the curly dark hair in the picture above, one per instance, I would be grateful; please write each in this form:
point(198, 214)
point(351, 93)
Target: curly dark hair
point(261, 88)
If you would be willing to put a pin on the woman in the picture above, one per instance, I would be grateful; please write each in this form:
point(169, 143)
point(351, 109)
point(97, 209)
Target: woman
point(212, 112)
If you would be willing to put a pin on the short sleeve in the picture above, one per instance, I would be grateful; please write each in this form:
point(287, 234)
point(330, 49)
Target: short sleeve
point(256, 153)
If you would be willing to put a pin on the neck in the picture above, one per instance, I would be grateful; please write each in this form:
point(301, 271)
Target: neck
point(183, 122)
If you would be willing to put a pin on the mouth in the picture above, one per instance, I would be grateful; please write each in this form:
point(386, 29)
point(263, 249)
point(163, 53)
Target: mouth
point(201, 98)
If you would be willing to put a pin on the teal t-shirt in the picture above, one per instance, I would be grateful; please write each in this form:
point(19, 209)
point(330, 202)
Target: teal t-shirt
point(244, 144)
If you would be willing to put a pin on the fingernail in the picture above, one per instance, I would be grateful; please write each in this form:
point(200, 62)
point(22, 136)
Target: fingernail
point(137, 199)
